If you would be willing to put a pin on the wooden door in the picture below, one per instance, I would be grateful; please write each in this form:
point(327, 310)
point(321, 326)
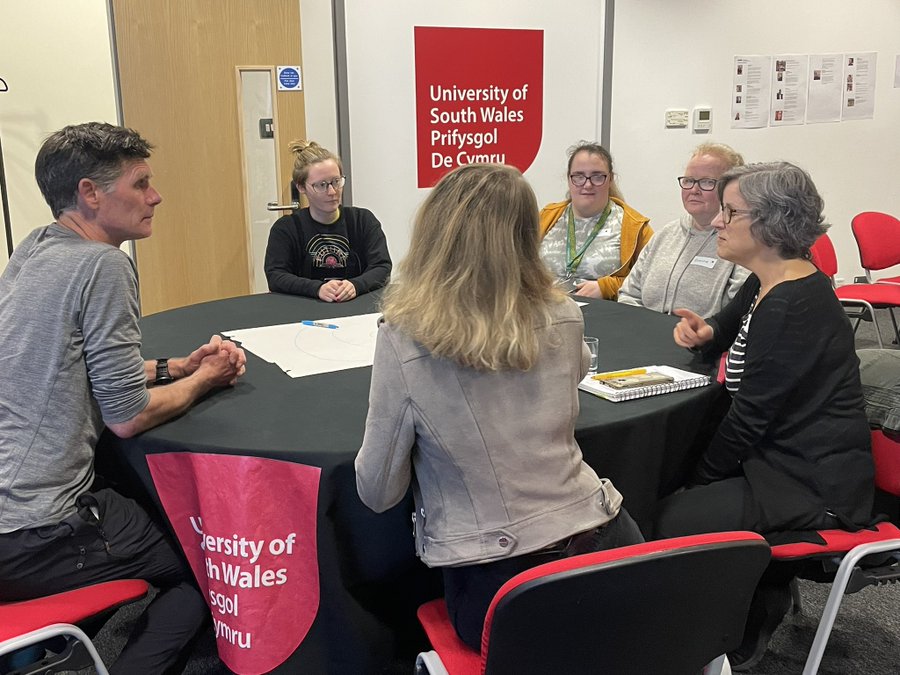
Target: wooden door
point(177, 63)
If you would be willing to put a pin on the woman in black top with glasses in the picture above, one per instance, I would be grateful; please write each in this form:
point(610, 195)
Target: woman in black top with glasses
point(325, 250)
point(792, 452)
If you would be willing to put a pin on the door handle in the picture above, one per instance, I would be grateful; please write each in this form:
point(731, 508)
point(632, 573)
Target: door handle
point(275, 206)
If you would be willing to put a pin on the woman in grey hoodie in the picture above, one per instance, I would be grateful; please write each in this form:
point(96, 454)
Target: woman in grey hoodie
point(679, 267)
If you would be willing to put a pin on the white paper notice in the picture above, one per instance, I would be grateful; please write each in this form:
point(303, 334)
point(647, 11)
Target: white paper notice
point(826, 88)
point(788, 102)
point(859, 86)
point(305, 348)
point(750, 92)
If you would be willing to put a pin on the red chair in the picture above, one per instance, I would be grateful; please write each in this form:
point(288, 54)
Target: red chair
point(878, 240)
point(674, 606)
point(859, 300)
point(31, 622)
point(855, 560)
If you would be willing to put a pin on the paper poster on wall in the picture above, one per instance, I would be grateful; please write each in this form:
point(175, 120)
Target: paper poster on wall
point(859, 86)
point(750, 92)
point(787, 104)
point(825, 88)
point(479, 98)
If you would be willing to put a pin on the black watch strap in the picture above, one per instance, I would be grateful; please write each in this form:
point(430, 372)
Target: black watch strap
point(162, 372)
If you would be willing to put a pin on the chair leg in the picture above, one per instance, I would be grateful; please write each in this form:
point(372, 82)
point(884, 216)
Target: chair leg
point(841, 579)
point(796, 600)
point(896, 339)
point(54, 630)
point(429, 663)
point(718, 666)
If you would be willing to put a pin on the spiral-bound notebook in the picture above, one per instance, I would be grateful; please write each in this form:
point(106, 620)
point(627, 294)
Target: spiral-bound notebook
point(662, 380)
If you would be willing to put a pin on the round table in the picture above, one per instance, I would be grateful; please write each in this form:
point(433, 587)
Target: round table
point(370, 580)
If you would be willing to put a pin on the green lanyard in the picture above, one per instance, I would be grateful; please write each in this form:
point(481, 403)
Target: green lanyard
point(573, 257)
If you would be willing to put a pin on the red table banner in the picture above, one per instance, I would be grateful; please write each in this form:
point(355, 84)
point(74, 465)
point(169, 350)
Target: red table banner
point(479, 98)
point(248, 528)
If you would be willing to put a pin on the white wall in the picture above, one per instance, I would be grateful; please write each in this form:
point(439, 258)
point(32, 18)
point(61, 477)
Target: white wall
point(317, 38)
point(675, 53)
point(55, 56)
point(382, 107)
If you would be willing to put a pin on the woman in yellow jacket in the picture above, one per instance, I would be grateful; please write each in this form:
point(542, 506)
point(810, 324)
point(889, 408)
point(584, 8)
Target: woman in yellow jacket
point(592, 239)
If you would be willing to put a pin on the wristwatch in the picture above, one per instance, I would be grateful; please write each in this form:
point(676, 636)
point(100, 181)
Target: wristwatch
point(162, 372)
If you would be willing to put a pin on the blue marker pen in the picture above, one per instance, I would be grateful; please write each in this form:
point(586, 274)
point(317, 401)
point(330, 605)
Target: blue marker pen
point(319, 324)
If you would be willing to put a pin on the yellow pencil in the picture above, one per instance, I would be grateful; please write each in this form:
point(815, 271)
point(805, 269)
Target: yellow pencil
point(620, 373)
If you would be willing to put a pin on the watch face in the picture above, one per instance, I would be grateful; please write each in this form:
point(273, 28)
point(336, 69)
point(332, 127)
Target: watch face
point(162, 372)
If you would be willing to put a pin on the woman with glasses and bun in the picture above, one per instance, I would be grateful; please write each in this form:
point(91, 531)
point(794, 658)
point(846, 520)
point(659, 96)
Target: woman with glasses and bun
point(475, 331)
point(792, 452)
point(592, 239)
point(680, 267)
point(325, 250)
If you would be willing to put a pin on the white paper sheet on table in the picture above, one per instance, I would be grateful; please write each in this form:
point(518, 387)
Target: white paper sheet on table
point(301, 350)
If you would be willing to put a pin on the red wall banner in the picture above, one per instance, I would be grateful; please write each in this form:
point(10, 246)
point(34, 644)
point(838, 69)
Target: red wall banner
point(479, 98)
point(248, 528)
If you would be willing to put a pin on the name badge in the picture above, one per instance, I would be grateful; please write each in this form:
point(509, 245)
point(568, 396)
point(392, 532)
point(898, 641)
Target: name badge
point(704, 261)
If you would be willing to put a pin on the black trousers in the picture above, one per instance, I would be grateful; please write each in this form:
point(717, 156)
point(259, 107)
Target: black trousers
point(721, 506)
point(123, 543)
point(469, 590)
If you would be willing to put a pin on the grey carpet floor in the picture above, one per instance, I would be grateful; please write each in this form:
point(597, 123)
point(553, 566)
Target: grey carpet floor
point(865, 638)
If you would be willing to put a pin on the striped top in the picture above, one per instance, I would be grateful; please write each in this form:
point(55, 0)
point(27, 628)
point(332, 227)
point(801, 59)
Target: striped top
point(734, 362)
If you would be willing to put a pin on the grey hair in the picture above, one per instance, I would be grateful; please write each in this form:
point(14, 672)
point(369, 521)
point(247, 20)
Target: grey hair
point(94, 150)
point(786, 207)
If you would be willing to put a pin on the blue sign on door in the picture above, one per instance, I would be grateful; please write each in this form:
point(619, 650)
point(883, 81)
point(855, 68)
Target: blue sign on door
point(289, 78)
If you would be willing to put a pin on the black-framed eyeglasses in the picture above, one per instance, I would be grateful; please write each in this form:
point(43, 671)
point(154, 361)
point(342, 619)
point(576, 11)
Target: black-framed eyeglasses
point(728, 213)
point(579, 179)
point(706, 184)
point(322, 185)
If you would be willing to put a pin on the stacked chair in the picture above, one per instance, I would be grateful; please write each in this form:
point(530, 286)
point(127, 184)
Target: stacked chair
point(859, 300)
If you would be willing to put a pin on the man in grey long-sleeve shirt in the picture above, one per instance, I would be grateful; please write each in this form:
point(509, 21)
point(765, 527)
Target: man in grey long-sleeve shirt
point(70, 354)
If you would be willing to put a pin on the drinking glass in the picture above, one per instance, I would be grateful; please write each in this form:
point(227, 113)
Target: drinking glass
point(593, 345)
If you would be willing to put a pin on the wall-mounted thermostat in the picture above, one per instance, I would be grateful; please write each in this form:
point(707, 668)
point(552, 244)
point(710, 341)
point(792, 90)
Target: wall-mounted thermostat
point(702, 120)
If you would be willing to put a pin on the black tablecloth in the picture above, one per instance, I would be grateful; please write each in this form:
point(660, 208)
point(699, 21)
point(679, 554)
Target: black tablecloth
point(370, 580)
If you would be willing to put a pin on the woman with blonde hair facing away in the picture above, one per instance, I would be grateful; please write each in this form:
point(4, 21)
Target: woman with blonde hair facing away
point(325, 251)
point(592, 239)
point(680, 267)
point(474, 333)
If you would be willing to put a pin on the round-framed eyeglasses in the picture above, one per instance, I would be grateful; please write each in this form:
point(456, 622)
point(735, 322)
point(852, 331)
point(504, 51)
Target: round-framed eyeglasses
point(728, 213)
point(579, 179)
point(705, 184)
point(322, 185)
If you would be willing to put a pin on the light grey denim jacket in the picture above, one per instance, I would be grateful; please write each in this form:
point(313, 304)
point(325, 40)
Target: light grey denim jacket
point(492, 455)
